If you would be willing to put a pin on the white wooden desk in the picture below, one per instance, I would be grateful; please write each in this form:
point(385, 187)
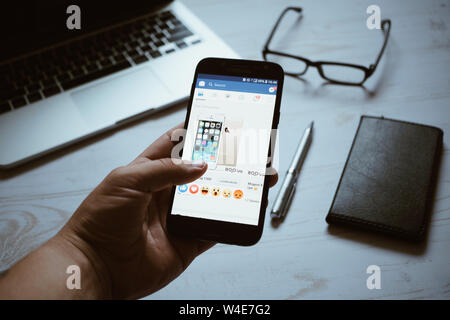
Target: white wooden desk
point(303, 257)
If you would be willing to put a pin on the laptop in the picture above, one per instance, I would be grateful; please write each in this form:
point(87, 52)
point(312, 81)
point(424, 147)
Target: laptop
point(59, 85)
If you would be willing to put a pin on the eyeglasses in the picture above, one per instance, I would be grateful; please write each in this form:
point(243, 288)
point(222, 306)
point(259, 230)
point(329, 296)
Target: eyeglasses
point(336, 72)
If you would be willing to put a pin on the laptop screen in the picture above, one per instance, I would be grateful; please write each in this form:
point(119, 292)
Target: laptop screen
point(32, 24)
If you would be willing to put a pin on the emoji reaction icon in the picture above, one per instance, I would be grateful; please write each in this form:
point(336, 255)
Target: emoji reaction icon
point(193, 188)
point(215, 191)
point(183, 188)
point(226, 193)
point(238, 194)
point(204, 190)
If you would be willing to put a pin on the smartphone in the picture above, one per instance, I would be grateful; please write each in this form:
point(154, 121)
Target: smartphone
point(207, 139)
point(233, 108)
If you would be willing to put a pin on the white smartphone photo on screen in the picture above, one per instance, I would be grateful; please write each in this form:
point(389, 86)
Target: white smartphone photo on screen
point(207, 139)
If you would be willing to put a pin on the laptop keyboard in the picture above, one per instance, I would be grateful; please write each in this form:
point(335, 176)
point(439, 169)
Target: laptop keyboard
point(63, 68)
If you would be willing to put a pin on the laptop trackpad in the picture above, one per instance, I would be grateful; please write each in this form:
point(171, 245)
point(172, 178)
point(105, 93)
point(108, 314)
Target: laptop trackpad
point(120, 97)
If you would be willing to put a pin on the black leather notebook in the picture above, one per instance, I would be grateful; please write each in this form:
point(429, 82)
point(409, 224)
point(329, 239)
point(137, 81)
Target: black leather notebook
point(388, 178)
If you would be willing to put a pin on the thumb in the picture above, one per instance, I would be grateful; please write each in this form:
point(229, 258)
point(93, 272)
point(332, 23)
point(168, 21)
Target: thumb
point(155, 175)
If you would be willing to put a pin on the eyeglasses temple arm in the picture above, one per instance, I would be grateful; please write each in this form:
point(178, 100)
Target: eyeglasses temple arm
point(386, 37)
point(296, 9)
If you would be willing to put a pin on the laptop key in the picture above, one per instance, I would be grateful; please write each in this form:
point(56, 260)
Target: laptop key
point(51, 91)
point(64, 77)
point(146, 47)
point(6, 92)
point(53, 71)
point(133, 44)
point(166, 15)
point(180, 35)
point(22, 81)
point(139, 59)
point(119, 58)
point(33, 87)
point(155, 54)
point(33, 97)
point(19, 102)
point(92, 67)
point(105, 63)
point(181, 44)
point(163, 25)
point(16, 93)
point(48, 82)
point(96, 75)
point(151, 30)
point(121, 47)
point(108, 52)
point(178, 29)
point(175, 22)
point(4, 107)
point(77, 72)
point(159, 36)
point(158, 43)
point(147, 39)
point(133, 52)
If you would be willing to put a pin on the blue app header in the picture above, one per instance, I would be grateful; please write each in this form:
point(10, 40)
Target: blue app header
point(239, 84)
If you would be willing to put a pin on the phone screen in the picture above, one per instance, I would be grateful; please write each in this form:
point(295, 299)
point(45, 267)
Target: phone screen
point(229, 127)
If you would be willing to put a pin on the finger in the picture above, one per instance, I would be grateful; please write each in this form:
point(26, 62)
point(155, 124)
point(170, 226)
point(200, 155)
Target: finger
point(155, 175)
point(161, 147)
point(204, 245)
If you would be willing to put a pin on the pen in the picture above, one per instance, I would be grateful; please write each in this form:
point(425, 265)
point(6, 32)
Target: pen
point(287, 189)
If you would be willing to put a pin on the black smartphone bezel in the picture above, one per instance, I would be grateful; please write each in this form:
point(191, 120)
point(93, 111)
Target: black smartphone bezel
point(215, 230)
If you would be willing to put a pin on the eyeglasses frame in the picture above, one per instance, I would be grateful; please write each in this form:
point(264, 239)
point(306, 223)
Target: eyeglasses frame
point(318, 64)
